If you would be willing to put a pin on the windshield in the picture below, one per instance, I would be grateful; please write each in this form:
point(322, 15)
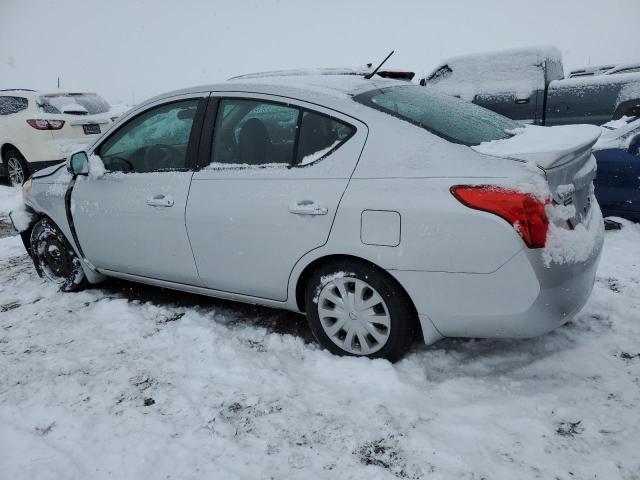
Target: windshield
point(449, 117)
point(73, 103)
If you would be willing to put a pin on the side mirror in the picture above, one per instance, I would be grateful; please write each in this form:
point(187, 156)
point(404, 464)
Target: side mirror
point(78, 164)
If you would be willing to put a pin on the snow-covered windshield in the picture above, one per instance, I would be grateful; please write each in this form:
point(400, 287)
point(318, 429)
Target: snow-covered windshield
point(448, 117)
point(73, 103)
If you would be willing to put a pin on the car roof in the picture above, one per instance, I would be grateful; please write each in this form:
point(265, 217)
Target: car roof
point(328, 90)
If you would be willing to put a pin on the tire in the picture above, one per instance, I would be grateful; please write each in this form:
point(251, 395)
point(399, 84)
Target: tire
point(16, 167)
point(54, 258)
point(366, 301)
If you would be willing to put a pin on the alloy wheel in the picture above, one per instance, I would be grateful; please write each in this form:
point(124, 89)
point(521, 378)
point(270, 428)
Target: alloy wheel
point(15, 171)
point(354, 315)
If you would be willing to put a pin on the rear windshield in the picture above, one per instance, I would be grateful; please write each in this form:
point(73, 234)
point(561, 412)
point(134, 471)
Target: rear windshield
point(448, 117)
point(74, 104)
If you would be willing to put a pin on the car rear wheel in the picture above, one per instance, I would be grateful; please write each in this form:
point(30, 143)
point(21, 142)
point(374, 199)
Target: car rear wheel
point(17, 169)
point(358, 310)
point(54, 258)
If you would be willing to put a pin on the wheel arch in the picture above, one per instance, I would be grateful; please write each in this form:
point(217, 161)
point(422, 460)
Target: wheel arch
point(628, 107)
point(6, 147)
point(307, 271)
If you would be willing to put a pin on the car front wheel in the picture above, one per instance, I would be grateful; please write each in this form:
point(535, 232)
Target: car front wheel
point(54, 258)
point(359, 310)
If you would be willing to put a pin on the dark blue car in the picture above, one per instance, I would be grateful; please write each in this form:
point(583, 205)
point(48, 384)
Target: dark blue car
point(618, 180)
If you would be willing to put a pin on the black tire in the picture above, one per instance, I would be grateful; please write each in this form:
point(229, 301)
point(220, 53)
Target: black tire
point(54, 258)
point(12, 159)
point(403, 318)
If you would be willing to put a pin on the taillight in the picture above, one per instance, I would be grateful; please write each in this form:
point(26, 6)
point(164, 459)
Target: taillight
point(41, 124)
point(524, 211)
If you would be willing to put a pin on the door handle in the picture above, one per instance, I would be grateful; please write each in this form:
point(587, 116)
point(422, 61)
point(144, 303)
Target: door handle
point(160, 201)
point(307, 207)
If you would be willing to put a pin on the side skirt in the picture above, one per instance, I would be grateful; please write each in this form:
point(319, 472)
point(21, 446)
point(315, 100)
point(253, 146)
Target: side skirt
point(202, 291)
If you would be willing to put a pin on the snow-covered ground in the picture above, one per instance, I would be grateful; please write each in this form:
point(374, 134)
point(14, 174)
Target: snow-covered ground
point(132, 382)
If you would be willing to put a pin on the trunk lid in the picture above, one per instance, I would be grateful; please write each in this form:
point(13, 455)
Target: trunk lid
point(563, 153)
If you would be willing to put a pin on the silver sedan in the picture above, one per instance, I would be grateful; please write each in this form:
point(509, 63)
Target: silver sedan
point(383, 210)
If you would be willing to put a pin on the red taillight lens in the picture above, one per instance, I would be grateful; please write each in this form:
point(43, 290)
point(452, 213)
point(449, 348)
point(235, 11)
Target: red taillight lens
point(40, 124)
point(522, 210)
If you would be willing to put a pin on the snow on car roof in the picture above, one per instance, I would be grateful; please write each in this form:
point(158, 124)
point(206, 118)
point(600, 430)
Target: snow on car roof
point(494, 72)
point(330, 89)
point(61, 93)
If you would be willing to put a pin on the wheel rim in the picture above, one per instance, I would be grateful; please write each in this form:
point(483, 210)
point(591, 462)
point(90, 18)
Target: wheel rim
point(354, 315)
point(16, 172)
point(57, 264)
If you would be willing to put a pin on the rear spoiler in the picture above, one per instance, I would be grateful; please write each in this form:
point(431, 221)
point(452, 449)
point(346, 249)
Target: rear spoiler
point(397, 74)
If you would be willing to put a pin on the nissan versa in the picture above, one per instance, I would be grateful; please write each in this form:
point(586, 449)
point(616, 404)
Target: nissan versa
point(385, 211)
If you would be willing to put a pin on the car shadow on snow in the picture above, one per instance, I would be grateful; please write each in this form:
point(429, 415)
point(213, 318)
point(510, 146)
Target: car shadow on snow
point(273, 320)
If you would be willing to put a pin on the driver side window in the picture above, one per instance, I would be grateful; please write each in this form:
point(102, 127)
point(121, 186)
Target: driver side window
point(155, 141)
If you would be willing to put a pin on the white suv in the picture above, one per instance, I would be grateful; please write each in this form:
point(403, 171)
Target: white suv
point(38, 129)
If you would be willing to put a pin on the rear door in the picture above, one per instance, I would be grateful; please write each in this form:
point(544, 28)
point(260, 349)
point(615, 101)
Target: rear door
point(274, 173)
point(131, 219)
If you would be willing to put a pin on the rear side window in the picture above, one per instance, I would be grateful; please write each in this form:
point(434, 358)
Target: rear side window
point(448, 117)
point(155, 141)
point(254, 133)
point(249, 132)
point(9, 105)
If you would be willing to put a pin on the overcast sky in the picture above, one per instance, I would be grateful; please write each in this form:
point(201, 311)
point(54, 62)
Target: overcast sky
point(129, 50)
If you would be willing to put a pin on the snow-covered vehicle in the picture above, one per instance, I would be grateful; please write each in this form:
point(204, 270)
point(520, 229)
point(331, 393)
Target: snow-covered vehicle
point(39, 129)
point(605, 70)
point(528, 85)
point(384, 210)
point(618, 180)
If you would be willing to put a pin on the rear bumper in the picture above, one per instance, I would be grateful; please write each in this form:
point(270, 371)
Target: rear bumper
point(521, 299)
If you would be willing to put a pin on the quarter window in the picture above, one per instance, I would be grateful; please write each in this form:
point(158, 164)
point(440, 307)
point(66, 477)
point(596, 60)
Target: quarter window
point(254, 133)
point(9, 105)
point(319, 135)
point(157, 140)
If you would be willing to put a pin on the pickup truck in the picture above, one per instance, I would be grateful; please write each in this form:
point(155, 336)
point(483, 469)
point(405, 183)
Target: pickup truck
point(528, 85)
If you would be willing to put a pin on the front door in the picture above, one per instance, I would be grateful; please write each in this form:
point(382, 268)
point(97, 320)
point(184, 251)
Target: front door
point(276, 173)
point(131, 219)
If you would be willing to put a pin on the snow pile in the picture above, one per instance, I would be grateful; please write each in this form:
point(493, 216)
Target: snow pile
point(618, 133)
point(103, 383)
point(564, 245)
point(11, 202)
point(515, 71)
point(96, 166)
point(10, 199)
point(544, 145)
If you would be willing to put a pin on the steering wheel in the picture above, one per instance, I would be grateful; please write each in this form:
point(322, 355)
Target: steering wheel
point(121, 160)
point(161, 156)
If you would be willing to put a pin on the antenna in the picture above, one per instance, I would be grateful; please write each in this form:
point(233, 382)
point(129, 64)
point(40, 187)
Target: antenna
point(58, 82)
point(369, 76)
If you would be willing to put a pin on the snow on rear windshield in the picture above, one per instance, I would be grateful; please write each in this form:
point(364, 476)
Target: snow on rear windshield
point(78, 104)
point(449, 117)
